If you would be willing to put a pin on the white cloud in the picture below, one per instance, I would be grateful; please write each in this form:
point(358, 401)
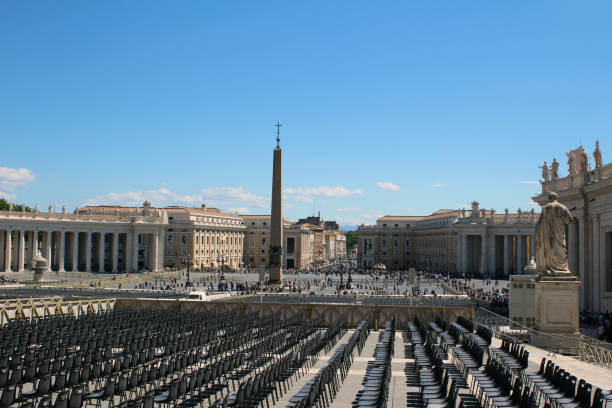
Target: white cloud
point(365, 218)
point(239, 210)
point(309, 194)
point(388, 186)
point(463, 206)
point(438, 185)
point(158, 197)
point(529, 182)
point(12, 179)
point(348, 209)
point(234, 196)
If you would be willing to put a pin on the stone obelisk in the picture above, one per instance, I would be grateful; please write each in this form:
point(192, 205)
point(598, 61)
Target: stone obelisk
point(276, 215)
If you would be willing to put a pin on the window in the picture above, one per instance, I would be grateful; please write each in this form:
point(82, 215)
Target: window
point(263, 251)
point(251, 241)
point(265, 223)
point(395, 243)
point(170, 238)
point(183, 252)
point(184, 239)
point(384, 243)
point(263, 240)
point(263, 259)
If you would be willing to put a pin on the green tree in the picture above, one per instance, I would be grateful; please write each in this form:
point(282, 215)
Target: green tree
point(351, 238)
point(5, 205)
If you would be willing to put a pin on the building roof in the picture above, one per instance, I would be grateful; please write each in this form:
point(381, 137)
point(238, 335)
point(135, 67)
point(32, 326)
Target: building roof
point(201, 211)
point(436, 214)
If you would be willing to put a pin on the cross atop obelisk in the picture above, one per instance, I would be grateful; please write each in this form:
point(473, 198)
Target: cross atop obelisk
point(276, 213)
point(278, 126)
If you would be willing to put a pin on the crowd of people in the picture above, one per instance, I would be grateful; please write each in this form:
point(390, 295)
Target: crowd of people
point(601, 322)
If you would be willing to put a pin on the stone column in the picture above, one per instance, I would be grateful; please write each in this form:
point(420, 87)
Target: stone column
point(75, 251)
point(135, 251)
point(458, 253)
point(483, 254)
point(464, 251)
point(597, 288)
point(48, 242)
point(88, 236)
point(506, 256)
point(115, 251)
point(276, 218)
point(492, 246)
point(128, 251)
point(101, 252)
point(61, 252)
point(8, 251)
point(34, 245)
point(583, 262)
point(155, 252)
point(531, 247)
point(519, 254)
point(2, 241)
point(21, 256)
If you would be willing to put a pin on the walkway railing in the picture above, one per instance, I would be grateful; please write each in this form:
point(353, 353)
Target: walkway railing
point(587, 349)
point(33, 308)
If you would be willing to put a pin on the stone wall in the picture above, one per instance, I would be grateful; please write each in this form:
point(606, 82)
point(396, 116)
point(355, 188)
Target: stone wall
point(331, 312)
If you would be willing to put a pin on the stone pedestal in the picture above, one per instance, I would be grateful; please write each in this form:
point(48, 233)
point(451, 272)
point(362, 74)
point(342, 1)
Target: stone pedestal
point(276, 274)
point(557, 317)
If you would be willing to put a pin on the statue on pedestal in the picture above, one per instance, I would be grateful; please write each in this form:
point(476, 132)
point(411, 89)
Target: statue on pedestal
point(571, 163)
point(597, 155)
point(584, 160)
point(554, 170)
point(551, 243)
point(544, 168)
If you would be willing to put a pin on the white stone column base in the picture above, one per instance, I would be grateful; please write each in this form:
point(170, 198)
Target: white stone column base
point(557, 317)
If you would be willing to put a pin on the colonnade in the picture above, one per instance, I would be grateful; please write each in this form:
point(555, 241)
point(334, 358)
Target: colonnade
point(86, 251)
point(495, 254)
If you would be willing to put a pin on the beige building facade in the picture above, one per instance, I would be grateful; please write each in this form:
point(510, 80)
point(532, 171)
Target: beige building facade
point(200, 238)
point(298, 246)
point(474, 241)
point(587, 192)
point(92, 239)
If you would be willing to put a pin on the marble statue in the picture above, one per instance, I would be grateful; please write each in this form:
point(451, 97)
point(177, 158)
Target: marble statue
point(597, 155)
point(551, 243)
point(519, 213)
point(544, 172)
point(50, 208)
point(571, 163)
point(64, 209)
point(554, 169)
point(36, 210)
point(584, 160)
point(463, 213)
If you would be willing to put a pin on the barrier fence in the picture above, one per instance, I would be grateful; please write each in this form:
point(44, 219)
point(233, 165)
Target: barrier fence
point(32, 308)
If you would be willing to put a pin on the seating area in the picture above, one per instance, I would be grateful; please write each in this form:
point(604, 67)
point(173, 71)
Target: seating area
point(375, 384)
point(156, 358)
point(475, 374)
point(170, 358)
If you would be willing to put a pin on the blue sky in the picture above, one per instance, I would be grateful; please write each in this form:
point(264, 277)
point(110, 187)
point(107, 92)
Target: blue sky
point(387, 107)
